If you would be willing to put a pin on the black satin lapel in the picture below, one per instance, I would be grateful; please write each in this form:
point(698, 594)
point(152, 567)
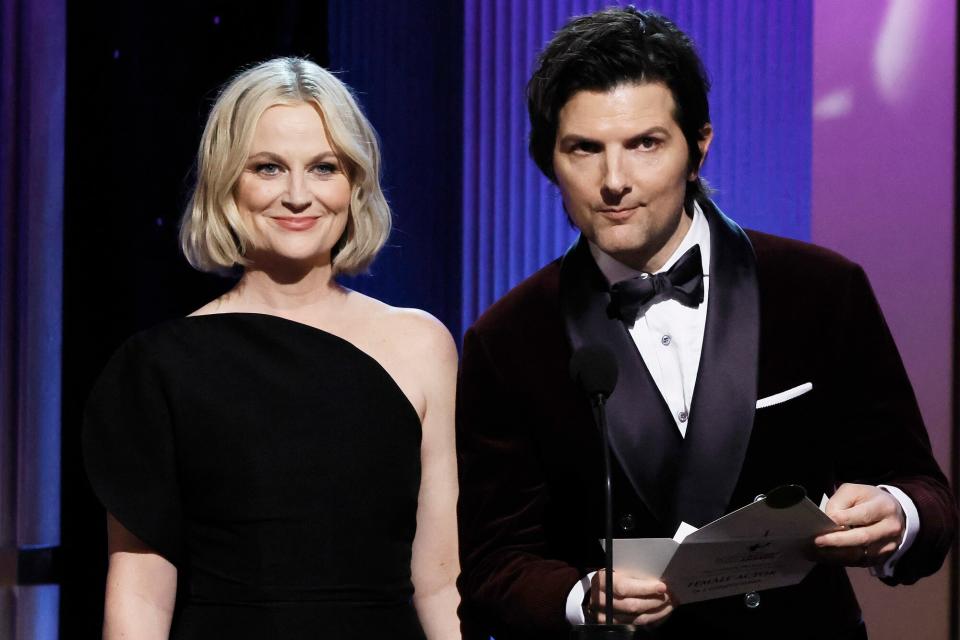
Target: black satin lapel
point(724, 397)
point(643, 436)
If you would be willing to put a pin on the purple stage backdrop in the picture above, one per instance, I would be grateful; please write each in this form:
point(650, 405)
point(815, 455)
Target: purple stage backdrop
point(883, 175)
point(835, 122)
point(32, 84)
point(758, 56)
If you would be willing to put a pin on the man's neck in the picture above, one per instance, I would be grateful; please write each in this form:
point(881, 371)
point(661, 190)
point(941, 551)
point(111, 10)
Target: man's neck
point(697, 232)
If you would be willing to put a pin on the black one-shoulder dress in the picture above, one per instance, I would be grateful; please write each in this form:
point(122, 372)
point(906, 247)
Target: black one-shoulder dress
point(276, 465)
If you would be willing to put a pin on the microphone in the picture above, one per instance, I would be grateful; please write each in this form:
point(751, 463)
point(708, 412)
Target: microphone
point(594, 369)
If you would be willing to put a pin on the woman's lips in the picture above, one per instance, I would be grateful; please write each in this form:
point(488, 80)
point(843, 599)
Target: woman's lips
point(297, 224)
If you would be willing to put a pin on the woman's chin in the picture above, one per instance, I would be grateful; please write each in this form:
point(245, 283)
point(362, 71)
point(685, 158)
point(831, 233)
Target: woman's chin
point(298, 260)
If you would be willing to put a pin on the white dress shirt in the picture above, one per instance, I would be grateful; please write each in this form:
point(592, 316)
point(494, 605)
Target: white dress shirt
point(669, 335)
point(669, 338)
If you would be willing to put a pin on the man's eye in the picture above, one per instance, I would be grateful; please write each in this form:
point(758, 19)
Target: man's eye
point(648, 143)
point(268, 169)
point(586, 147)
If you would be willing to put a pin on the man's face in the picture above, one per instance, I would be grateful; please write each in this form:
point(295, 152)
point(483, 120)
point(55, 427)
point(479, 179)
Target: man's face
point(621, 164)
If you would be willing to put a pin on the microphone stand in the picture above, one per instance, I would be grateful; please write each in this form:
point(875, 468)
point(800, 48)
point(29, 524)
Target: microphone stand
point(609, 630)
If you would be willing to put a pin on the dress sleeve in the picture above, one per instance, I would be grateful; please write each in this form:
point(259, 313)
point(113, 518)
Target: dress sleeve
point(129, 453)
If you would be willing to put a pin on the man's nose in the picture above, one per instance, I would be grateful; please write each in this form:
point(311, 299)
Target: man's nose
point(296, 198)
point(615, 182)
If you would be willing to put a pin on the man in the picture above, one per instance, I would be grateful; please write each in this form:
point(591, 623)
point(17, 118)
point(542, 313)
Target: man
point(746, 362)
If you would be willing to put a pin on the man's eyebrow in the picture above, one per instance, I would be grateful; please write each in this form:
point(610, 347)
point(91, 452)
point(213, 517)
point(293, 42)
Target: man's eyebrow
point(576, 138)
point(651, 131)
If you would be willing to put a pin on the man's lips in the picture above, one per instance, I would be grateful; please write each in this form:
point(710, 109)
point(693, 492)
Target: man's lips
point(297, 224)
point(617, 213)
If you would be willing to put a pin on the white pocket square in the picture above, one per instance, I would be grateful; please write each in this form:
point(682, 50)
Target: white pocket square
point(783, 396)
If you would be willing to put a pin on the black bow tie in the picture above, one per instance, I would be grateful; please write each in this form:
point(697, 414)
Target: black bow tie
point(683, 282)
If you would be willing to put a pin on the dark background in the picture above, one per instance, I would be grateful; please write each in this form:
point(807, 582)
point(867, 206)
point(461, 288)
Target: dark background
point(141, 79)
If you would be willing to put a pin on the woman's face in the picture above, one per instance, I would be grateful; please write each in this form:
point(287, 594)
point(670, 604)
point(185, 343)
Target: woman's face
point(293, 194)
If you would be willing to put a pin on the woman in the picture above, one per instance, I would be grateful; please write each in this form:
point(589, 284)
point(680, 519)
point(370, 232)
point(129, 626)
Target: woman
point(280, 463)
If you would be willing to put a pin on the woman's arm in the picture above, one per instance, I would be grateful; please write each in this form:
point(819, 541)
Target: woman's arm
point(435, 564)
point(141, 588)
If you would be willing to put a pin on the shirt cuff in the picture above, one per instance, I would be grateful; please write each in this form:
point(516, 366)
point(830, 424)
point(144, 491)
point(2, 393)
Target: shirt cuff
point(911, 528)
point(575, 600)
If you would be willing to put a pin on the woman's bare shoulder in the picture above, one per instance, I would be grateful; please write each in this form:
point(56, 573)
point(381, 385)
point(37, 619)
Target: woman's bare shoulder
point(412, 331)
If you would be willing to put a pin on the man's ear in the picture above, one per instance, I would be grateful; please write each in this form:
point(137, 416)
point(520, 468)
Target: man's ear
point(706, 137)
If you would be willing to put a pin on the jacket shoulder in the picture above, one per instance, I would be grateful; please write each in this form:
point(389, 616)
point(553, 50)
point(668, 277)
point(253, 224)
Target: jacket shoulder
point(783, 256)
point(532, 302)
point(771, 248)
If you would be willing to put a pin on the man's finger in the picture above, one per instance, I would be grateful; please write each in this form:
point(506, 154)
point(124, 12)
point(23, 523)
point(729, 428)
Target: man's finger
point(649, 617)
point(637, 606)
point(845, 497)
point(627, 587)
point(631, 604)
point(877, 508)
point(870, 553)
point(859, 515)
point(654, 617)
point(882, 532)
point(856, 537)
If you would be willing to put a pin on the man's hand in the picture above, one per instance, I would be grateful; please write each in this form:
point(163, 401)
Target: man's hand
point(638, 601)
point(873, 523)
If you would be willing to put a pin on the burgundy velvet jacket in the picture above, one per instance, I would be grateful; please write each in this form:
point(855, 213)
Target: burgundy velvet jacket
point(781, 313)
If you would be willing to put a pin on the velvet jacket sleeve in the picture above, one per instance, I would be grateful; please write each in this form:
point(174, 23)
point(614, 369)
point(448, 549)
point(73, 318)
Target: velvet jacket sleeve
point(881, 437)
point(509, 583)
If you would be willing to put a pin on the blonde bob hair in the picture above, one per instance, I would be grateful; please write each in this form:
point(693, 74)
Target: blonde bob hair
point(212, 234)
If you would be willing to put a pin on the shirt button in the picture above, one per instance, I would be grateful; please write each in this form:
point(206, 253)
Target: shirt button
point(683, 416)
point(665, 341)
point(751, 600)
point(627, 522)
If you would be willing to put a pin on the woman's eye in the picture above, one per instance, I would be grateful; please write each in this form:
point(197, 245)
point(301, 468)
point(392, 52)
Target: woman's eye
point(268, 169)
point(325, 168)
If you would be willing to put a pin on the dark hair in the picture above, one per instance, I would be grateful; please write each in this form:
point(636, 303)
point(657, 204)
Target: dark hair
point(608, 48)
